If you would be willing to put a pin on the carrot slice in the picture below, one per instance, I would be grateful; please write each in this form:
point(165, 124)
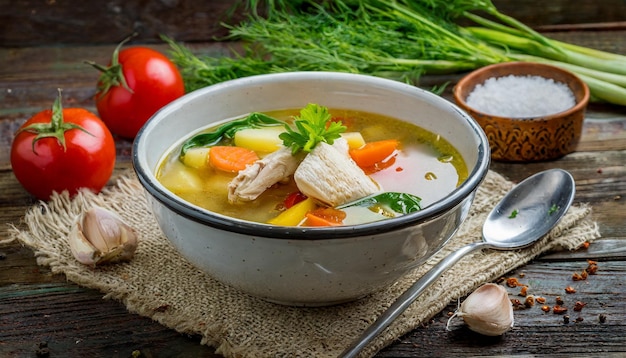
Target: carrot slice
point(373, 153)
point(325, 217)
point(231, 159)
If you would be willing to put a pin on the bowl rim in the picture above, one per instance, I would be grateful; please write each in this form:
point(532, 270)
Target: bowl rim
point(470, 77)
point(181, 207)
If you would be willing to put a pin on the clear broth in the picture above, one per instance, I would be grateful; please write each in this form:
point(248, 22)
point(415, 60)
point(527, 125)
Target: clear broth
point(427, 166)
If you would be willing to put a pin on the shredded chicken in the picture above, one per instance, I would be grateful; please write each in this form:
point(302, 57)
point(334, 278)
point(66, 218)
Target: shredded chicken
point(256, 178)
point(329, 175)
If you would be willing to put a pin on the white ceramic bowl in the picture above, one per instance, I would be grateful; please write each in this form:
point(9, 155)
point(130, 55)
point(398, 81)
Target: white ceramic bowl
point(307, 266)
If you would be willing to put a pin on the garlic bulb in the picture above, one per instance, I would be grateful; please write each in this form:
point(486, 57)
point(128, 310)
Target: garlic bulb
point(99, 236)
point(488, 310)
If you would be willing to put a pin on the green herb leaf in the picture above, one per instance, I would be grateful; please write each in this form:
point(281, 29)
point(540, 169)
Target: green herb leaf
point(313, 126)
point(400, 203)
point(513, 214)
point(228, 130)
point(553, 209)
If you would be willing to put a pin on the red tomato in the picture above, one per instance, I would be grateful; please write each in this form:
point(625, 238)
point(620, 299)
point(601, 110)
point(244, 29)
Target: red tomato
point(293, 198)
point(62, 149)
point(137, 83)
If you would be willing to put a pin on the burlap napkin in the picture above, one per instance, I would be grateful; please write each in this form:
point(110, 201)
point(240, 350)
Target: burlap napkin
point(161, 285)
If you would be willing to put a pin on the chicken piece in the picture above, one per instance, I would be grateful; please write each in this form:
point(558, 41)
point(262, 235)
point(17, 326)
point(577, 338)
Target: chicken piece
point(329, 175)
point(262, 174)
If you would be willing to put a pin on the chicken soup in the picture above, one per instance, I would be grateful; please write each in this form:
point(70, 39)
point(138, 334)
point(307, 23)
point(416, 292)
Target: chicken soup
point(313, 167)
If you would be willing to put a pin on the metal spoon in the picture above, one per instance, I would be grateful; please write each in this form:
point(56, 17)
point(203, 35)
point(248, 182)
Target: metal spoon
point(521, 218)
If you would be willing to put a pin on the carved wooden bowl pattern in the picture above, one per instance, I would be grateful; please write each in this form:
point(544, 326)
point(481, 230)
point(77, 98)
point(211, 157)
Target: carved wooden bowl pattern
point(528, 139)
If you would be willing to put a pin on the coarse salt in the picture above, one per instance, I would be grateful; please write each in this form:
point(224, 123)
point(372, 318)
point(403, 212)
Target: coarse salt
point(521, 96)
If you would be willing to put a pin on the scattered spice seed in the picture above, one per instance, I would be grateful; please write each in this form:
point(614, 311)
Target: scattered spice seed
point(524, 291)
point(570, 289)
point(579, 276)
point(566, 319)
point(516, 303)
point(559, 300)
point(578, 306)
point(540, 300)
point(602, 318)
point(592, 267)
point(522, 275)
point(579, 319)
point(513, 282)
point(545, 308)
point(559, 309)
point(529, 301)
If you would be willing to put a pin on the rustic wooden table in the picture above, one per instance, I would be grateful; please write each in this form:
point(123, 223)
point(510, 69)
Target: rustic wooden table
point(42, 313)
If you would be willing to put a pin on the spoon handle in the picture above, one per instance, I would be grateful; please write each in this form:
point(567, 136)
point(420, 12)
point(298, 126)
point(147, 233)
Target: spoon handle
point(404, 301)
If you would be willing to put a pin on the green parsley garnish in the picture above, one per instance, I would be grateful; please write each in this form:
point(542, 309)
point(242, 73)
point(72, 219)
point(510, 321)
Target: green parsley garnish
point(313, 126)
point(553, 209)
point(513, 214)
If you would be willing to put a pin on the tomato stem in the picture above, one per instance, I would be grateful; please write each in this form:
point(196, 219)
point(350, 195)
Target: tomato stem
point(113, 75)
point(56, 128)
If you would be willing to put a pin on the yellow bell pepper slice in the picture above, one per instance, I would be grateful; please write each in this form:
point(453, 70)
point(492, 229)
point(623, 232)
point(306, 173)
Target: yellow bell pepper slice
point(294, 215)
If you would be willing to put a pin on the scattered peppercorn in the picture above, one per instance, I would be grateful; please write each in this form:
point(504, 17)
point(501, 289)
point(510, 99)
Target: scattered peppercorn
point(522, 275)
point(524, 291)
point(570, 289)
point(559, 300)
point(578, 306)
point(529, 301)
point(579, 319)
point(602, 318)
point(566, 319)
point(516, 303)
point(513, 282)
point(579, 276)
point(584, 274)
point(559, 309)
point(592, 267)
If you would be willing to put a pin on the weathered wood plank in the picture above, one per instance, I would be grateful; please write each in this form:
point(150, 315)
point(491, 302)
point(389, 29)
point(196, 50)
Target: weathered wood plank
point(533, 328)
point(37, 306)
point(36, 23)
point(61, 317)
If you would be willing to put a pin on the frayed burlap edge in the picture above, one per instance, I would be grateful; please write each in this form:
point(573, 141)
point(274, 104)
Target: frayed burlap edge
point(161, 285)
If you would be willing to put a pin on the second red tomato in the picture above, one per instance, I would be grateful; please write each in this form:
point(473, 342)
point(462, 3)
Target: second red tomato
point(137, 83)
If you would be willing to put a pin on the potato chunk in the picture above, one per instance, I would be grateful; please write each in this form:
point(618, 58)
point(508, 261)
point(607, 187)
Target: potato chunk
point(260, 139)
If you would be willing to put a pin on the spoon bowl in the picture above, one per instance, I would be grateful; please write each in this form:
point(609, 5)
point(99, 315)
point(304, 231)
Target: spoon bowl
point(527, 213)
point(530, 210)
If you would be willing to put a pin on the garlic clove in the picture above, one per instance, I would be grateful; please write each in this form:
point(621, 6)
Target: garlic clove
point(99, 236)
point(488, 310)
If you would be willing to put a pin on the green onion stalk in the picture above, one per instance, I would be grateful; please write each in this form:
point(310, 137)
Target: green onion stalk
point(397, 39)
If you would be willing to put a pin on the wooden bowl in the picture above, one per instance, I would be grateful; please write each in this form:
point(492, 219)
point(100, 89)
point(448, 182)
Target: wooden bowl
point(528, 139)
